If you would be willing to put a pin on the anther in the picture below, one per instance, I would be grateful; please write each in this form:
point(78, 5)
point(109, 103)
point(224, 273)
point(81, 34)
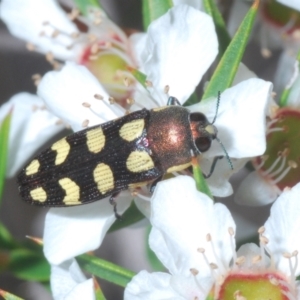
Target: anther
point(166, 89)
point(126, 81)
point(194, 271)
point(240, 260)
point(36, 79)
point(266, 53)
point(261, 230)
point(274, 281)
point(231, 231)
point(49, 57)
point(148, 83)
point(130, 101)
point(95, 48)
point(213, 266)
point(59, 122)
point(295, 253)
point(86, 104)
point(287, 255)
point(263, 240)
point(201, 250)
point(55, 33)
point(30, 47)
point(98, 97)
point(111, 100)
point(256, 259)
point(208, 237)
point(292, 164)
point(74, 14)
point(85, 123)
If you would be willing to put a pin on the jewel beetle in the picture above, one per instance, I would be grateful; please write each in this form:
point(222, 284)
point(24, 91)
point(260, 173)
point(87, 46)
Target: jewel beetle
point(126, 153)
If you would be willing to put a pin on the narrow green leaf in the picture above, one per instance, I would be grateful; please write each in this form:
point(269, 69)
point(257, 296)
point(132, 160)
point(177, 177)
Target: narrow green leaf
point(4, 138)
point(7, 241)
point(98, 292)
point(286, 92)
point(152, 258)
point(9, 296)
point(223, 36)
point(84, 5)
point(228, 65)
point(28, 265)
point(105, 270)
point(201, 183)
point(131, 216)
point(139, 76)
point(153, 9)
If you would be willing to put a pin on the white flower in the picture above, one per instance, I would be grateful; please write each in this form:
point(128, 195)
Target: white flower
point(195, 242)
point(278, 167)
point(103, 47)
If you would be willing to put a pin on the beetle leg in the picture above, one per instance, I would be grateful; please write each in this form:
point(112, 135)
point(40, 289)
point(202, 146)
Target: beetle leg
point(154, 183)
point(212, 168)
point(173, 101)
point(113, 202)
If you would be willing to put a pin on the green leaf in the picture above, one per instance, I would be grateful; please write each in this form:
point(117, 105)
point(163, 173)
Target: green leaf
point(7, 241)
point(4, 138)
point(28, 265)
point(153, 9)
point(228, 65)
point(223, 36)
point(201, 183)
point(131, 216)
point(84, 5)
point(98, 292)
point(139, 76)
point(105, 270)
point(152, 258)
point(9, 296)
point(286, 92)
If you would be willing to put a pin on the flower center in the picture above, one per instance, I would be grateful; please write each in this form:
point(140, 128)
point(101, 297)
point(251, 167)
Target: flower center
point(279, 164)
point(265, 286)
point(281, 16)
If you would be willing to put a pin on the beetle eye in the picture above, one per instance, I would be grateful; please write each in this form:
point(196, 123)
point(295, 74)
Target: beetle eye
point(198, 117)
point(203, 143)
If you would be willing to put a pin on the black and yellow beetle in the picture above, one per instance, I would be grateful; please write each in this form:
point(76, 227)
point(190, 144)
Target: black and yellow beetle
point(125, 153)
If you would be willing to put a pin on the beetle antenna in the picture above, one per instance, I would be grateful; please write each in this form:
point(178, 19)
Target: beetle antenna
point(226, 154)
point(217, 108)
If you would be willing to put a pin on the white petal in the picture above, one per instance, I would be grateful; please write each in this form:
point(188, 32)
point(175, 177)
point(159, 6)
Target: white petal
point(256, 191)
point(72, 231)
point(31, 127)
point(181, 218)
point(219, 181)
point(291, 3)
point(282, 228)
point(68, 281)
point(197, 4)
point(176, 52)
point(241, 118)
point(65, 91)
point(25, 19)
point(286, 67)
point(145, 286)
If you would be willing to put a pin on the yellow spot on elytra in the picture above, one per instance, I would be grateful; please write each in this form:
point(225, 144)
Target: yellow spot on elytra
point(104, 178)
point(38, 194)
point(139, 161)
point(33, 167)
point(95, 139)
point(159, 108)
point(62, 148)
point(72, 191)
point(132, 130)
point(179, 167)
